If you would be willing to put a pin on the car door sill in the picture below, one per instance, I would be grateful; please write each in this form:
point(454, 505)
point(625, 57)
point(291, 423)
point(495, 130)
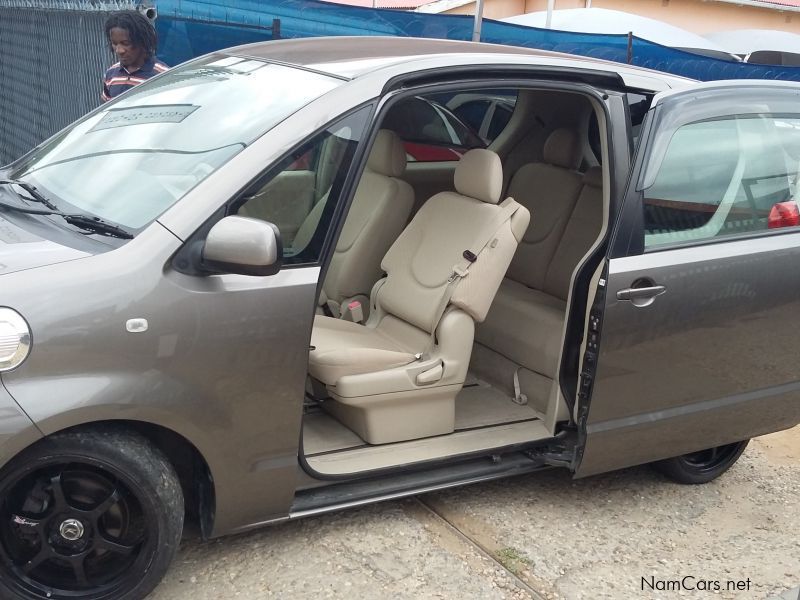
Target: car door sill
point(391, 486)
point(404, 454)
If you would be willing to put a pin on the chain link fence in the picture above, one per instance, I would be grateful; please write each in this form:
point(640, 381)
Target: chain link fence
point(53, 55)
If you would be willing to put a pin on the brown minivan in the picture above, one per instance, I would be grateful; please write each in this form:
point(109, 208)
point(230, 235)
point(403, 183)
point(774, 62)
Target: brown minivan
point(233, 295)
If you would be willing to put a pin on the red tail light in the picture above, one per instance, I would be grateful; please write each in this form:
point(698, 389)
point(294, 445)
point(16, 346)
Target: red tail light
point(784, 214)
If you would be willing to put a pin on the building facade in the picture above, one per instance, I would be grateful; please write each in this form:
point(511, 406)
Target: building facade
point(699, 16)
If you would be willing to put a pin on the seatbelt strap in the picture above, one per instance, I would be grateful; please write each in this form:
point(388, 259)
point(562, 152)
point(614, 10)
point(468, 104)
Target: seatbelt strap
point(324, 304)
point(461, 269)
point(330, 308)
point(519, 397)
point(507, 209)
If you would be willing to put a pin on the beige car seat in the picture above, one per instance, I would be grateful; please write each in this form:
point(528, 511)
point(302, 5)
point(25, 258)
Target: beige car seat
point(551, 188)
point(520, 341)
point(396, 378)
point(380, 209)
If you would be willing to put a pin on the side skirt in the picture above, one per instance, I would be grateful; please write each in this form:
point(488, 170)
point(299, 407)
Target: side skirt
point(347, 495)
point(344, 495)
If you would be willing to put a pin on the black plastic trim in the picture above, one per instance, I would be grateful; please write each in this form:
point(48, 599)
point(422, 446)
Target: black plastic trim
point(627, 238)
point(453, 74)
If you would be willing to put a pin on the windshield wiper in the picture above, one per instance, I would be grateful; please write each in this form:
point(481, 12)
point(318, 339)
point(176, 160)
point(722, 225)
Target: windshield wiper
point(36, 195)
point(96, 224)
point(81, 221)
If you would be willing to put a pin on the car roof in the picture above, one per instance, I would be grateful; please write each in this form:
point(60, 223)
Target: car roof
point(354, 57)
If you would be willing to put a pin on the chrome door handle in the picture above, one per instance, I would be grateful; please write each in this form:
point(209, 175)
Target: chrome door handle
point(641, 293)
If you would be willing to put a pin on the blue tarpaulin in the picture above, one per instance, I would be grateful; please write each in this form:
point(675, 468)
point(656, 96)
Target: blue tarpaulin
point(189, 28)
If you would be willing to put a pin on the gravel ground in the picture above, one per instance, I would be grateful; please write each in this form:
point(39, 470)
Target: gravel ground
point(537, 536)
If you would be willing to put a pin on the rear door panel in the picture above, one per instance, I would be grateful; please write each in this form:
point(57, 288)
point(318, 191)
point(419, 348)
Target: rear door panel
point(712, 359)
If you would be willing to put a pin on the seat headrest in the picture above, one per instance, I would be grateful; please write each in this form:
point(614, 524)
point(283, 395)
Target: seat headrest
point(563, 149)
point(388, 157)
point(593, 177)
point(479, 175)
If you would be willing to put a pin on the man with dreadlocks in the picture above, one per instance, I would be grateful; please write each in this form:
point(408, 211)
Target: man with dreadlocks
point(133, 39)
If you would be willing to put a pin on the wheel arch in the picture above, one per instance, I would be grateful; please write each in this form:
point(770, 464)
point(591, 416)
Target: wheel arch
point(194, 473)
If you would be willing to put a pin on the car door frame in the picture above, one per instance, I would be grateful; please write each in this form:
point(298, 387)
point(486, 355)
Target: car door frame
point(618, 156)
point(608, 443)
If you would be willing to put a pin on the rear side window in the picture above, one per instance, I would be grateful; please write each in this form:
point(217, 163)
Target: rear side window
point(430, 131)
point(487, 112)
point(473, 112)
point(500, 118)
point(725, 177)
point(442, 126)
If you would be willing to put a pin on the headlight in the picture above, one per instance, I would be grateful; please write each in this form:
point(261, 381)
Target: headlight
point(15, 339)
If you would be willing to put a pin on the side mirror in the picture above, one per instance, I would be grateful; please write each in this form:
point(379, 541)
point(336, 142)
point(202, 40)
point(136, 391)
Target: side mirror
point(243, 246)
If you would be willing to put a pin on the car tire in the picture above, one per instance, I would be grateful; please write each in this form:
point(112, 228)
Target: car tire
point(88, 515)
point(703, 466)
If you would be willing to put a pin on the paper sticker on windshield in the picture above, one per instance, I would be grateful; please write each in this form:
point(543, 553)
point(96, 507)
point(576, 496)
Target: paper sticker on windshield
point(139, 115)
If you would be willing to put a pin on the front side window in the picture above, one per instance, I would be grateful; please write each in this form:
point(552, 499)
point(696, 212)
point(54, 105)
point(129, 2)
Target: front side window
point(131, 161)
point(300, 194)
point(724, 177)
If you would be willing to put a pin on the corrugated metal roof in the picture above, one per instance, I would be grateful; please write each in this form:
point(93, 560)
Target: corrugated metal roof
point(399, 4)
point(781, 2)
point(790, 5)
point(443, 5)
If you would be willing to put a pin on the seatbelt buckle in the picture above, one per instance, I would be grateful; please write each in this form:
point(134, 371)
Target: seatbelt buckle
point(355, 311)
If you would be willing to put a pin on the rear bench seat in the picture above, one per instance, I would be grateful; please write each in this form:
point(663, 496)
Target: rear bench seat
point(522, 332)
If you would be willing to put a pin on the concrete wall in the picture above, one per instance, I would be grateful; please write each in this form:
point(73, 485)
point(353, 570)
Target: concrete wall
point(699, 16)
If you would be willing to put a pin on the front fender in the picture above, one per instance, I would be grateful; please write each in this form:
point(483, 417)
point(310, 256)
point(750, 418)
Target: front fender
point(58, 403)
point(17, 431)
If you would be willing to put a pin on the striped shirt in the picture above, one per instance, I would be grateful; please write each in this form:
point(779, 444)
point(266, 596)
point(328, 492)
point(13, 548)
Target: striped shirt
point(118, 79)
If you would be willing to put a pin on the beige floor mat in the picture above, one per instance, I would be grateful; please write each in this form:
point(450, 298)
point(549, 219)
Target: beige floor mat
point(369, 458)
point(323, 433)
point(481, 405)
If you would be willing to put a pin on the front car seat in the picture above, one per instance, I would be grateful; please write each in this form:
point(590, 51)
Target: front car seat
point(380, 209)
point(396, 378)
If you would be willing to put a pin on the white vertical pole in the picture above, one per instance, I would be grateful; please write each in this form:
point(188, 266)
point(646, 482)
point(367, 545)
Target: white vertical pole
point(550, 6)
point(476, 30)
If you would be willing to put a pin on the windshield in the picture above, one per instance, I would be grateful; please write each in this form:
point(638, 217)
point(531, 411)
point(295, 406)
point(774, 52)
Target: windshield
point(132, 161)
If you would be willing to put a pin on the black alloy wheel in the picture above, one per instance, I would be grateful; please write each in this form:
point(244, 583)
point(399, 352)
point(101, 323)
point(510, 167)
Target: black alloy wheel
point(88, 516)
point(702, 466)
